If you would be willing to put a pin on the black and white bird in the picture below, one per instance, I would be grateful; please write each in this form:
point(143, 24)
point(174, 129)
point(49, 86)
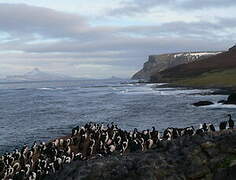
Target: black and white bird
point(231, 122)
point(212, 128)
point(223, 125)
point(204, 126)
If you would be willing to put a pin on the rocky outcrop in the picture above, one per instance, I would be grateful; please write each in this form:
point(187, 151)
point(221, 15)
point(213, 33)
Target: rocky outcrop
point(230, 100)
point(203, 103)
point(212, 156)
point(158, 63)
point(232, 48)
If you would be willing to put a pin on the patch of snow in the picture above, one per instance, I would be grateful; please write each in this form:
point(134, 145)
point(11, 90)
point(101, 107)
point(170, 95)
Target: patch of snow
point(196, 54)
point(177, 55)
point(204, 53)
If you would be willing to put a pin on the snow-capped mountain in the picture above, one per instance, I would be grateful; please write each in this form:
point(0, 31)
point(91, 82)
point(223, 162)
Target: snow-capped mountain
point(38, 75)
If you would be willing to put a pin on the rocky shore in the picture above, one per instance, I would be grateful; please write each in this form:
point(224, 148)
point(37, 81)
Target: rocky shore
point(231, 100)
point(210, 156)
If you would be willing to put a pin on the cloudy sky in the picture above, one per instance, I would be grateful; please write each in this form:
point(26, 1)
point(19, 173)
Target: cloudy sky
point(106, 38)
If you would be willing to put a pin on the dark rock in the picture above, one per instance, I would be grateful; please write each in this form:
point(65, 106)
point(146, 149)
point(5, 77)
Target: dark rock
point(231, 99)
point(232, 173)
point(233, 48)
point(222, 101)
point(222, 92)
point(203, 103)
point(220, 174)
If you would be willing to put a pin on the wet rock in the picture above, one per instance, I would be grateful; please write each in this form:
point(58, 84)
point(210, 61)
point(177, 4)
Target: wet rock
point(203, 103)
point(222, 101)
point(231, 99)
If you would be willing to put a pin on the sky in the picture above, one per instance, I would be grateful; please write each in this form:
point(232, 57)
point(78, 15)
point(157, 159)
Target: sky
point(103, 38)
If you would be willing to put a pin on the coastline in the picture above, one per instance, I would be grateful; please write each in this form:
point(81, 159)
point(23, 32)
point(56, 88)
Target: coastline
point(217, 90)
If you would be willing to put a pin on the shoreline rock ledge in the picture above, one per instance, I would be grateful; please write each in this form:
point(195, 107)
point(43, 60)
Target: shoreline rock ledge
point(212, 156)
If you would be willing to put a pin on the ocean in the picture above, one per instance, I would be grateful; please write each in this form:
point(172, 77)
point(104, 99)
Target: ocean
point(40, 111)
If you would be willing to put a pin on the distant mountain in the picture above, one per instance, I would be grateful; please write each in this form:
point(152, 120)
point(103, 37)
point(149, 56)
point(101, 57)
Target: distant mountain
point(215, 71)
point(158, 63)
point(38, 75)
point(115, 78)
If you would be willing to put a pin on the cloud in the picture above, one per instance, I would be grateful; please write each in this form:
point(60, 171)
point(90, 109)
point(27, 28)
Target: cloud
point(131, 7)
point(125, 40)
point(22, 19)
point(33, 36)
point(25, 21)
point(204, 4)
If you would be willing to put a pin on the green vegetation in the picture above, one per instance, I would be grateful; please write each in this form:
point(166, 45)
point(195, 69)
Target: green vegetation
point(226, 78)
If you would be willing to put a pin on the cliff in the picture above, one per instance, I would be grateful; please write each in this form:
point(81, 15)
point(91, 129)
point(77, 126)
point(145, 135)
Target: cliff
point(214, 71)
point(158, 63)
point(212, 156)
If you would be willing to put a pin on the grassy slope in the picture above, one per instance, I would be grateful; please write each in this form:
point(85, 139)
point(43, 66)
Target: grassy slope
point(226, 78)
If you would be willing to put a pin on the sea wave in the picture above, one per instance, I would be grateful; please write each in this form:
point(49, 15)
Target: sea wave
point(163, 91)
point(49, 89)
point(173, 91)
point(220, 106)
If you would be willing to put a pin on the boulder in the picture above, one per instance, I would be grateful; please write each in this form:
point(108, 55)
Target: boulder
point(231, 99)
point(222, 101)
point(203, 103)
point(233, 48)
